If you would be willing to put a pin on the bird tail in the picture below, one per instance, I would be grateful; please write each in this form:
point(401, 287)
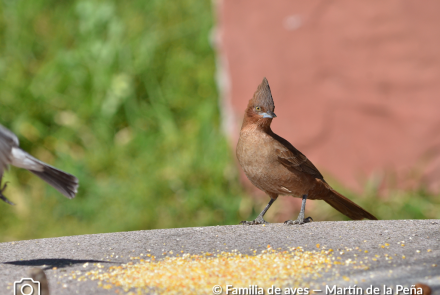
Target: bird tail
point(347, 207)
point(65, 183)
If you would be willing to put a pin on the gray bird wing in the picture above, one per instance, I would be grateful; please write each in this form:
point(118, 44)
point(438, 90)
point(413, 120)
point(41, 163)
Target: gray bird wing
point(8, 140)
point(11, 154)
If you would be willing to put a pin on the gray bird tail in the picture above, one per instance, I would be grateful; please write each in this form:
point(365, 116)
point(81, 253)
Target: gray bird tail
point(65, 183)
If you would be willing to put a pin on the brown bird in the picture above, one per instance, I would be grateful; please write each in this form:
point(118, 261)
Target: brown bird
point(276, 167)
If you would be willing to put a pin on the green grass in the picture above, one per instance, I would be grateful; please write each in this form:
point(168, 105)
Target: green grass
point(122, 95)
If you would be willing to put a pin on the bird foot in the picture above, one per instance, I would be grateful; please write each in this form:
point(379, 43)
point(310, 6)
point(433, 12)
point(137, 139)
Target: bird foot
point(2, 197)
point(258, 220)
point(298, 221)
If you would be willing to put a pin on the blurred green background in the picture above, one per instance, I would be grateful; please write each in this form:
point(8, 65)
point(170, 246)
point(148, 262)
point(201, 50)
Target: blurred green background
point(122, 95)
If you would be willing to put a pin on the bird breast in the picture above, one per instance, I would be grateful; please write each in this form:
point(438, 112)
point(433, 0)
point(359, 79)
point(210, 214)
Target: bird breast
point(258, 158)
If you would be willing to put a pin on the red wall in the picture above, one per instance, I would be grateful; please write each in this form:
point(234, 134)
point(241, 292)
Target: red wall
point(356, 84)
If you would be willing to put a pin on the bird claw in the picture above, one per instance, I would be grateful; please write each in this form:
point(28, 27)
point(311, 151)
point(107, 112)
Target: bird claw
point(257, 221)
point(2, 197)
point(305, 220)
point(308, 219)
point(245, 222)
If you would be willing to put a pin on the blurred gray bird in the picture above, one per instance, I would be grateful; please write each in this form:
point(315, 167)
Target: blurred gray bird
point(37, 274)
point(11, 154)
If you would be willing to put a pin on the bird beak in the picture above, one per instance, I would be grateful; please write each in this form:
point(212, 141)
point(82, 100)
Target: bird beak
point(269, 114)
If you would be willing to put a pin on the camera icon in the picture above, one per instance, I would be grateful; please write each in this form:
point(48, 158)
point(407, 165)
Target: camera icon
point(26, 286)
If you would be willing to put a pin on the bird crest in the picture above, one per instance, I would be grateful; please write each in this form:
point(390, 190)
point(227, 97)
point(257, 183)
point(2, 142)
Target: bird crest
point(263, 97)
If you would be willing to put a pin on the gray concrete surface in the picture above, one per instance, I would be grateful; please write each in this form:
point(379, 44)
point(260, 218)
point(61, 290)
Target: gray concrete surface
point(422, 251)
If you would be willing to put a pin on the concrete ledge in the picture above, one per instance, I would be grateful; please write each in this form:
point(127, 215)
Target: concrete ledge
point(67, 254)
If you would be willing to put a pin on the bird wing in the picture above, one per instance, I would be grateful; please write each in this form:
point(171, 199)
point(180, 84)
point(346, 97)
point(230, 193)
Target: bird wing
point(292, 158)
point(11, 154)
point(8, 140)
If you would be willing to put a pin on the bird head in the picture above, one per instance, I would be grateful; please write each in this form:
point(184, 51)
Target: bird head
point(261, 107)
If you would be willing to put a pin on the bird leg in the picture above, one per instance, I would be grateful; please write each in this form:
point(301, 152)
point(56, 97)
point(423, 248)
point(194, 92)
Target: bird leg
point(2, 197)
point(300, 219)
point(260, 219)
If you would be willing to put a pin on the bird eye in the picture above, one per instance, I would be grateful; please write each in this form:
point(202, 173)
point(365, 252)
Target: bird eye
point(258, 109)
